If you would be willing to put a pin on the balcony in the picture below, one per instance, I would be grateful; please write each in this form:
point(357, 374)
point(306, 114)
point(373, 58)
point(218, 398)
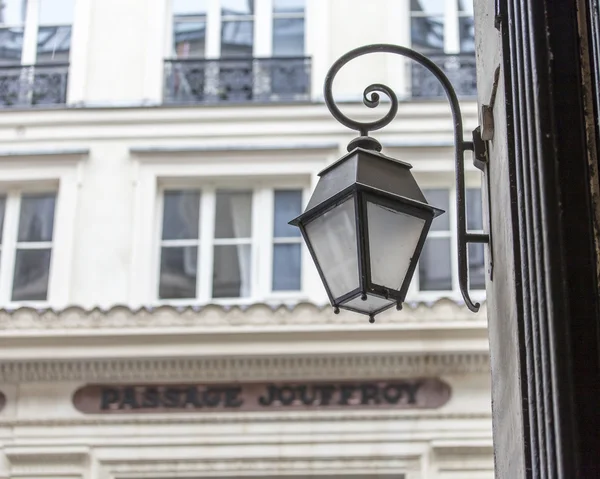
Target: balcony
point(237, 80)
point(459, 68)
point(33, 85)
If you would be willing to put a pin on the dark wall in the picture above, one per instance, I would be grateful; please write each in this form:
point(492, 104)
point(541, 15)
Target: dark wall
point(544, 291)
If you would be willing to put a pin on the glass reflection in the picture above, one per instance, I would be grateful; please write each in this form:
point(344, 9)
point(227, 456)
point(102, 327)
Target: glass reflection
point(178, 271)
point(286, 267)
point(288, 37)
point(32, 270)
point(36, 221)
point(237, 7)
point(53, 44)
point(435, 266)
point(181, 214)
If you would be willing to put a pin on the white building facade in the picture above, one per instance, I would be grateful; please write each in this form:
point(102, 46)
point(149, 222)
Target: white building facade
point(160, 318)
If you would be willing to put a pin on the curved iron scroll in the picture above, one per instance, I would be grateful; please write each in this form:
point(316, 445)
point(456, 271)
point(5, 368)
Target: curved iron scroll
point(371, 100)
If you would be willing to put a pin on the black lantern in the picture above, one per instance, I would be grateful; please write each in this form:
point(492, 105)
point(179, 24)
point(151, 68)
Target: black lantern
point(367, 220)
point(365, 226)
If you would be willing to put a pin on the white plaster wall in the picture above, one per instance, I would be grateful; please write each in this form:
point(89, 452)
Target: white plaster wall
point(119, 47)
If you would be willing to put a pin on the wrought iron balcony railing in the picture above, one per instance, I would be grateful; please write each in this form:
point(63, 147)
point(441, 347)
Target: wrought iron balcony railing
point(460, 69)
point(237, 80)
point(41, 84)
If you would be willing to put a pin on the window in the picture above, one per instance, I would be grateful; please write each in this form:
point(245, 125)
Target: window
point(237, 28)
point(286, 241)
point(48, 21)
point(233, 31)
point(189, 28)
point(437, 264)
point(26, 234)
point(218, 244)
point(443, 30)
point(34, 32)
point(442, 26)
point(237, 51)
point(288, 28)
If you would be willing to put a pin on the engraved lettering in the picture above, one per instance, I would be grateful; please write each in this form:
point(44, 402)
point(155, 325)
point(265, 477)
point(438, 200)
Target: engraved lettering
point(346, 392)
point(191, 397)
point(272, 395)
point(326, 393)
point(151, 398)
point(306, 400)
point(370, 392)
point(392, 393)
point(232, 398)
point(108, 397)
point(129, 400)
point(171, 398)
point(212, 397)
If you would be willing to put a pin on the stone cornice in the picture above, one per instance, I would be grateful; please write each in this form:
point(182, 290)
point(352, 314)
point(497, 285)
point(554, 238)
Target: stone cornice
point(247, 418)
point(216, 316)
point(255, 368)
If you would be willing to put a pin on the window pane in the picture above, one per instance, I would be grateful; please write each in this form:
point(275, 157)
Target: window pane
point(190, 7)
point(178, 272)
point(53, 44)
point(476, 266)
point(181, 214)
point(440, 198)
point(32, 269)
point(286, 267)
point(288, 6)
point(231, 273)
point(288, 37)
point(434, 266)
point(36, 221)
point(237, 39)
point(2, 210)
point(465, 6)
point(288, 205)
point(237, 7)
point(474, 213)
point(11, 47)
point(233, 216)
point(189, 39)
point(56, 12)
point(467, 34)
point(12, 12)
point(428, 7)
point(427, 33)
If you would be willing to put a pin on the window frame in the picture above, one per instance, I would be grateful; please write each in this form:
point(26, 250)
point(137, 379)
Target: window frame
point(472, 181)
point(451, 16)
point(31, 27)
point(262, 18)
point(261, 241)
point(39, 173)
point(11, 243)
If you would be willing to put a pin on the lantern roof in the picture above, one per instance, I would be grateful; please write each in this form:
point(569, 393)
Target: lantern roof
point(369, 169)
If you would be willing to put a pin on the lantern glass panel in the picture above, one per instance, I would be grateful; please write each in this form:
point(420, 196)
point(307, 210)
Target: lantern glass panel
point(372, 304)
point(393, 239)
point(332, 236)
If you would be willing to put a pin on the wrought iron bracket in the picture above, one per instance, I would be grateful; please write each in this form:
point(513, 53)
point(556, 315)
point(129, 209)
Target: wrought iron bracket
point(371, 100)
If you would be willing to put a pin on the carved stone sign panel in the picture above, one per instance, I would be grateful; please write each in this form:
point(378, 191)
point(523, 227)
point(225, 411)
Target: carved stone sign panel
point(423, 393)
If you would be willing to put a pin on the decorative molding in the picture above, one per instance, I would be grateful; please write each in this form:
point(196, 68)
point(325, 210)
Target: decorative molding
point(254, 368)
point(55, 153)
point(47, 461)
point(216, 316)
point(410, 466)
point(248, 418)
point(148, 150)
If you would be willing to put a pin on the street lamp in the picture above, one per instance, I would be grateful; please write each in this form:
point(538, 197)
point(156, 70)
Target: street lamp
point(367, 220)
